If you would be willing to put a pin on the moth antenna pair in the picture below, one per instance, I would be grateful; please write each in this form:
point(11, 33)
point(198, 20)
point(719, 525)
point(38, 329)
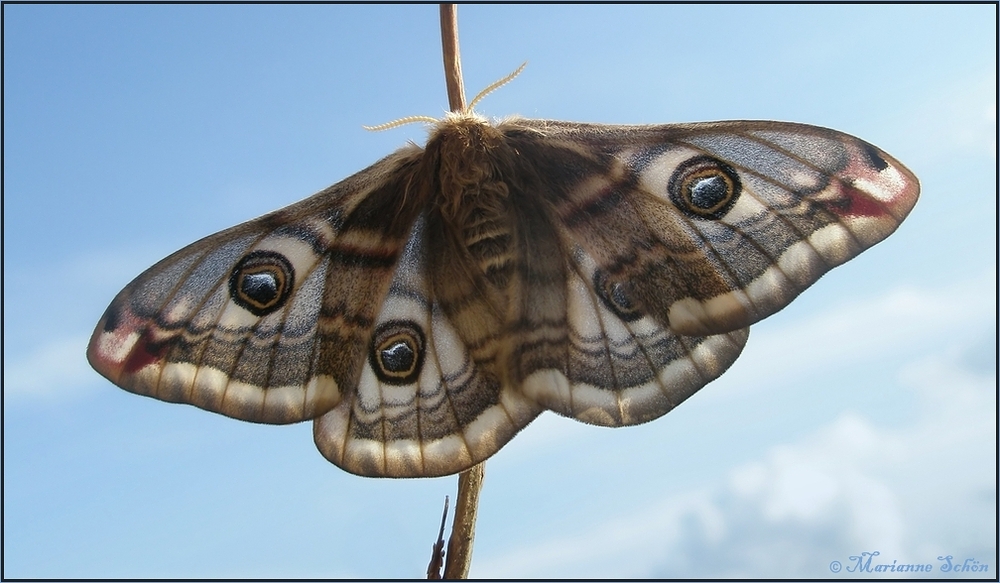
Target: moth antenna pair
point(428, 119)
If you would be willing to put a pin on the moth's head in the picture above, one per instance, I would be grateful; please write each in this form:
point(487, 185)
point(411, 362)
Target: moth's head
point(467, 128)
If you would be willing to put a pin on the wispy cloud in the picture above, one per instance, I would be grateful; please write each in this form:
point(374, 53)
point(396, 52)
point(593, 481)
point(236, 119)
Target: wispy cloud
point(901, 322)
point(959, 119)
point(54, 370)
point(45, 335)
point(877, 328)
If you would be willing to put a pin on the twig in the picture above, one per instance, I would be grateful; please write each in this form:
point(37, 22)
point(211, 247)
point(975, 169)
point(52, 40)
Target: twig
point(463, 529)
point(452, 60)
point(434, 568)
point(470, 482)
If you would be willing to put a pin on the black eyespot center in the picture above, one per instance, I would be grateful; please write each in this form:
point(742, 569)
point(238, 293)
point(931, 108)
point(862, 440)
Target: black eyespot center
point(262, 287)
point(261, 282)
point(616, 297)
point(710, 191)
point(397, 355)
point(704, 187)
point(397, 352)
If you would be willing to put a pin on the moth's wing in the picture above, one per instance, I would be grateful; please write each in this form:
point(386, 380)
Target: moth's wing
point(676, 239)
point(429, 401)
point(712, 227)
point(268, 321)
point(575, 344)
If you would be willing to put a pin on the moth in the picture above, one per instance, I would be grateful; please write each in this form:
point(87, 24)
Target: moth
point(427, 308)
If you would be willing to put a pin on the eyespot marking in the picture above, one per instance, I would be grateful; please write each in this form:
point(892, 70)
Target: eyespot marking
point(615, 296)
point(704, 188)
point(261, 282)
point(397, 352)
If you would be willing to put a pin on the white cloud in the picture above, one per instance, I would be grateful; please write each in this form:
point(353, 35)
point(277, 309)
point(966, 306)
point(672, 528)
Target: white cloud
point(873, 328)
point(852, 486)
point(911, 489)
point(56, 369)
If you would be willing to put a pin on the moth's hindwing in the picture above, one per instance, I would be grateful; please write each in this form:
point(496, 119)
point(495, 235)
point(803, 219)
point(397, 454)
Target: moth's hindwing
point(424, 405)
point(616, 365)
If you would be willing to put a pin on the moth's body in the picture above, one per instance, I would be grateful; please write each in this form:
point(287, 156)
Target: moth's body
point(427, 308)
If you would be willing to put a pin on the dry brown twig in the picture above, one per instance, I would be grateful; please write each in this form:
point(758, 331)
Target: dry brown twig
point(434, 568)
point(452, 60)
point(470, 482)
point(463, 529)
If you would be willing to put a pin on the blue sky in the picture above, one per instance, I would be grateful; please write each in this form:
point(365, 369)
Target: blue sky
point(861, 418)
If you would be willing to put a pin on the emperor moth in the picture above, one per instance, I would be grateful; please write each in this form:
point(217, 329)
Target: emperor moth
point(427, 308)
